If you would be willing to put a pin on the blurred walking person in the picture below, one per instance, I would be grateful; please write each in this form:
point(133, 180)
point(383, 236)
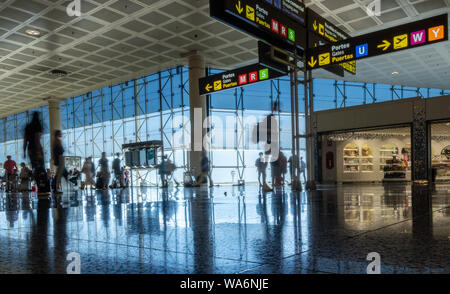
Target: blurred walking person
point(118, 173)
point(87, 171)
point(104, 174)
point(25, 175)
point(205, 170)
point(58, 160)
point(32, 144)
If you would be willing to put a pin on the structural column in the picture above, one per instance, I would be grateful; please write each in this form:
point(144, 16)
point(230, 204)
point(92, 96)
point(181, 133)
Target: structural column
point(54, 113)
point(420, 142)
point(197, 109)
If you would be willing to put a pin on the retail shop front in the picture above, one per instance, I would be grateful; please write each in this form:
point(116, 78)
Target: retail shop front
point(440, 151)
point(371, 155)
point(396, 141)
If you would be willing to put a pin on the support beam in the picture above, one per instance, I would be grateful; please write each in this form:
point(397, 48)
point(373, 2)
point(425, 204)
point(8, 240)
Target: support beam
point(54, 113)
point(197, 109)
point(420, 143)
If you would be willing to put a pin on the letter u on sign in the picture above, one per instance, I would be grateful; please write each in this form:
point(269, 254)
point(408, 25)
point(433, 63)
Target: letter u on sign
point(362, 50)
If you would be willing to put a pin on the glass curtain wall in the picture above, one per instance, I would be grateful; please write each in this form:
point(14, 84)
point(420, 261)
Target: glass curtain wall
point(156, 107)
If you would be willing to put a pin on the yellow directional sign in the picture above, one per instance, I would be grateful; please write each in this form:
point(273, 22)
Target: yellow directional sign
point(250, 13)
point(208, 88)
point(313, 62)
point(385, 45)
point(239, 7)
point(315, 25)
point(321, 29)
point(324, 59)
point(218, 85)
point(401, 41)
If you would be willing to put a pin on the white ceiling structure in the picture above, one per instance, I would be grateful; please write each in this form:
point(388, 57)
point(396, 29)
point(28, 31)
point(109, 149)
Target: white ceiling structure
point(117, 40)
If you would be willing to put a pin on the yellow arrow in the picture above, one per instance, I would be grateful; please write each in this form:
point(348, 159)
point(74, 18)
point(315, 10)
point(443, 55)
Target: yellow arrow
point(208, 87)
point(315, 25)
point(386, 44)
point(313, 62)
point(239, 8)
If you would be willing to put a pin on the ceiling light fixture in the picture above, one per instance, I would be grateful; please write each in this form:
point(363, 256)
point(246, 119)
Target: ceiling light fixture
point(395, 73)
point(33, 32)
point(58, 73)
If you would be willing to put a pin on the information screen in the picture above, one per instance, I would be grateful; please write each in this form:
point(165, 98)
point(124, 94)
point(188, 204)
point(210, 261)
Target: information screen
point(128, 159)
point(151, 157)
point(135, 158)
point(142, 157)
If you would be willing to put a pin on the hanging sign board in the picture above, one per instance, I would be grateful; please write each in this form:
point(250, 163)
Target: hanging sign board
point(322, 32)
point(262, 20)
point(292, 8)
point(412, 35)
point(265, 59)
point(240, 77)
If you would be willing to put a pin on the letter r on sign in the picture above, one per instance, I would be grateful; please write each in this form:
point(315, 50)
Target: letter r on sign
point(283, 31)
point(253, 77)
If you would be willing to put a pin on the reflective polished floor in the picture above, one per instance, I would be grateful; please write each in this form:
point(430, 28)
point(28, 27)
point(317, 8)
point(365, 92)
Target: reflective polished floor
point(229, 230)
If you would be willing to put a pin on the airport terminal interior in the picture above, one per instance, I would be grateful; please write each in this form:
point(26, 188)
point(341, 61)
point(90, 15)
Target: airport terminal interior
point(363, 163)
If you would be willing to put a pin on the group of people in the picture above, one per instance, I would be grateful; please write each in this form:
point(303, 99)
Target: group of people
point(33, 148)
point(103, 176)
point(44, 178)
point(15, 180)
point(278, 169)
point(166, 169)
